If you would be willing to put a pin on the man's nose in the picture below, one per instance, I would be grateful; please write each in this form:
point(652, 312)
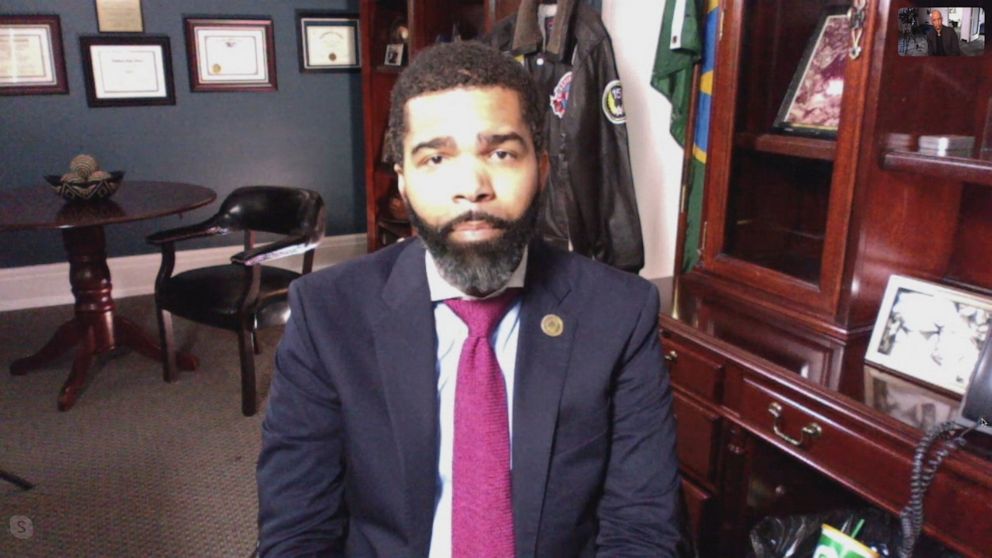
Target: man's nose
point(474, 185)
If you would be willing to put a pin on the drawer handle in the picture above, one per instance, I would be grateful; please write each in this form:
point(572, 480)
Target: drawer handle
point(672, 357)
point(809, 432)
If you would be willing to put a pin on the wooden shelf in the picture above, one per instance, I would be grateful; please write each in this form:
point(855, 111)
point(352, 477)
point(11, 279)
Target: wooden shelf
point(965, 169)
point(793, 146)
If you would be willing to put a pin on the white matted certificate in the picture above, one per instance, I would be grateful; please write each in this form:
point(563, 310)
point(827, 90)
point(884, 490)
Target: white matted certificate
point(128, 71)
point(328, 43)
point(26, 55)
point(231, 55)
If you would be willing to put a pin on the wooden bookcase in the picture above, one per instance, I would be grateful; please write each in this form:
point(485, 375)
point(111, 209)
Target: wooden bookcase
point(426, 20)
point(767, 335)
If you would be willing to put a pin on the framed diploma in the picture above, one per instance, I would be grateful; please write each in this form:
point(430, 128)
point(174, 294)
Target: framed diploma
point(230, 54)
point(127, 70)
point(328, 42)
point(31, 57)
point(119, 16)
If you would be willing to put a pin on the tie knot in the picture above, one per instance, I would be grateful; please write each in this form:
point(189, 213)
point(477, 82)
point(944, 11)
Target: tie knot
point(481, 316)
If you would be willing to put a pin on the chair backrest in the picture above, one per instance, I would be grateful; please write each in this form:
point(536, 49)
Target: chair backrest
point(274, 209)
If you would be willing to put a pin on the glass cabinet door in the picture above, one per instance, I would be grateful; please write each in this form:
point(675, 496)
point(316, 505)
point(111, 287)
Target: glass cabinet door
point(776, 211)
point(788, 113)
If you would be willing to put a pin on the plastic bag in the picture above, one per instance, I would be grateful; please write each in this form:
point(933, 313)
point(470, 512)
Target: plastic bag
point(797, 536)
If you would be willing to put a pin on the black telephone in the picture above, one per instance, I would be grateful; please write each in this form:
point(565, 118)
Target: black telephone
point(977, 408)
point(976, 415)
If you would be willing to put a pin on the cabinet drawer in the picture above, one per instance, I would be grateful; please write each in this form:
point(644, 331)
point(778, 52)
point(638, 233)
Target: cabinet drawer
point(697, 430)
point(698, 503)
point(824, 439)
point(692, 368)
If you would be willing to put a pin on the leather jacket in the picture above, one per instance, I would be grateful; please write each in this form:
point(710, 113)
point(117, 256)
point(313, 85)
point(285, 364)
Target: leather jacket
point(589, 202)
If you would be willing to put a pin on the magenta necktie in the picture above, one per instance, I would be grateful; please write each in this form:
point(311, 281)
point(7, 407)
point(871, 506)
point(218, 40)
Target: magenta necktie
point(482, 514)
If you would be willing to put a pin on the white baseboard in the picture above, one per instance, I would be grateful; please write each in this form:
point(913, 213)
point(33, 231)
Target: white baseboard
point(35, 286)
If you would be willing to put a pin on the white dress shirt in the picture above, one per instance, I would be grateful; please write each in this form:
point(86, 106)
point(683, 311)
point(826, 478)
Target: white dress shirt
point(451, 335)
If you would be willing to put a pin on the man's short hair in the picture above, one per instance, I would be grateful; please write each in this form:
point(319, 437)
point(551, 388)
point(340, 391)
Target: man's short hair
point(465, 64)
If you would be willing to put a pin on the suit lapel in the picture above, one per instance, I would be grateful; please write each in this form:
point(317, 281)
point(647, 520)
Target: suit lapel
point(405, 349)
point(542, 363)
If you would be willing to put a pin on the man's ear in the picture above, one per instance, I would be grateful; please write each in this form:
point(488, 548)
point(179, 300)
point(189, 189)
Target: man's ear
point(543, 169)
point(400, 181)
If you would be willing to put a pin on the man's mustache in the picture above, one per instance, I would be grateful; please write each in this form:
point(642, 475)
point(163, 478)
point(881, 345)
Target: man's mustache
point(491, 220)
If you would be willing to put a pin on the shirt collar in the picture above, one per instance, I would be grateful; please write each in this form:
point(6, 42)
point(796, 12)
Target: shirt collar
point(442, 290)
point(527, 36)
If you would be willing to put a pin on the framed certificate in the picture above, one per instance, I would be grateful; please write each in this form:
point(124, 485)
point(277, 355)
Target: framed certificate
point(230, 54)
point(119, 16)
point(127, 70)
point(328, 42)
point(31, 57)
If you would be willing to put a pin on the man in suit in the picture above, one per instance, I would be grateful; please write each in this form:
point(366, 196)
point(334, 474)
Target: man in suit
point(398, 426)
point(941, 41)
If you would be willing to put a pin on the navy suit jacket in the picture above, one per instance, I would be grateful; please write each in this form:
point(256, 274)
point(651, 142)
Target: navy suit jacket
point(349, 463)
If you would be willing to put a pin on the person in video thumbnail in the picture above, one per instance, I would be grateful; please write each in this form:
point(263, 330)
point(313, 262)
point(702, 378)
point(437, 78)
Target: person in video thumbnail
point(941, 41)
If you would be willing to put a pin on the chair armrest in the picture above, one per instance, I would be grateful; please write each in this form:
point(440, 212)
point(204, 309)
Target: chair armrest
point(209, 227)
point(288, 246)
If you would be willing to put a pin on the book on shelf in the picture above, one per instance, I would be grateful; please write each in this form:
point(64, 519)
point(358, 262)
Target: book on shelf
point(947, 142)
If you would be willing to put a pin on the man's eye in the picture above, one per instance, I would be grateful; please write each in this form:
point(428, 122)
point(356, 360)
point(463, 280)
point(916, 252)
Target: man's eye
point(435, 160)
point(502, 155)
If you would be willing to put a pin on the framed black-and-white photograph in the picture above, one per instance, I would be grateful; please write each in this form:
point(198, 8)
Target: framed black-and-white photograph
point(127, 70)
point(930, 333)
point(328, 42)
point(906, 401)
point(31, 57)
point(230, 54)
point(394, 54)
point(812, 103)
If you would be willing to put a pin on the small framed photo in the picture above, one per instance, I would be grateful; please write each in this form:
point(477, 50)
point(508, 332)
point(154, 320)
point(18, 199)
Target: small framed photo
point(328, 42)
point(127, 70)
point(394, 54)
point(119, 16)
point(906, 401)
point(230, 54)
point(929, 333)
point(31, 57)
point(813, 101)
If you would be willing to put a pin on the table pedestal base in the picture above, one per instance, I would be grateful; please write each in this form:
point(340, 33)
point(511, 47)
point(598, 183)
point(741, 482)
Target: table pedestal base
point(95, 328)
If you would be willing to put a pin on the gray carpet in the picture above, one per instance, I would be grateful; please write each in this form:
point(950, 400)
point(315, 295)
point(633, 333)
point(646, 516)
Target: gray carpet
point(138, 467)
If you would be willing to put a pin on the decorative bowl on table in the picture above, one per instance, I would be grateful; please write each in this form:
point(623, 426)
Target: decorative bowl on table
point(100, 185)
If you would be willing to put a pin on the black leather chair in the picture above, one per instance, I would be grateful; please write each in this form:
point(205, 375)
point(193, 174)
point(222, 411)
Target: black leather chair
point(242, 296)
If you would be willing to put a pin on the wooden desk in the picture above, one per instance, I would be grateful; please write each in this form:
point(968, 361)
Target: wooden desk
point(95, 327)
point(732, 363)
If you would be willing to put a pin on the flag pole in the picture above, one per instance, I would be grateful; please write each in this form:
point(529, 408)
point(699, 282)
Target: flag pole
point(690, 138)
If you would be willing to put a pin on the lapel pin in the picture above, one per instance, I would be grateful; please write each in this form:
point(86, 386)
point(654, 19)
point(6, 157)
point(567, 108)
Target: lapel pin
point(552, 326)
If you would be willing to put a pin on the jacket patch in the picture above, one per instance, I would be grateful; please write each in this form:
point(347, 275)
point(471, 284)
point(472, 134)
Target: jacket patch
point(613, 102)
point(559, 100)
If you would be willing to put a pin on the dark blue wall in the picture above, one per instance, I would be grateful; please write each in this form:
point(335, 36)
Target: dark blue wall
point(308, 133)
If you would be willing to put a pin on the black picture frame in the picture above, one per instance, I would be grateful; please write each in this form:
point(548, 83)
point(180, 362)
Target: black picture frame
point(820, 72)
point(57, 84)
point(97, 96)
point(200, 79)
point(308, 20)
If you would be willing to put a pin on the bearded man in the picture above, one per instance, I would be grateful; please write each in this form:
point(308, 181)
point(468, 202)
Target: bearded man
point(471, 392)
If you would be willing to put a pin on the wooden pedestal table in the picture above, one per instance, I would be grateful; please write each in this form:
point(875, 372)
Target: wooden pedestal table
point(95, 328)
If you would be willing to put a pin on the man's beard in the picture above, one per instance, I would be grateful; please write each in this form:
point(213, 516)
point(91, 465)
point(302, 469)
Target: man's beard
point(477, 268)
